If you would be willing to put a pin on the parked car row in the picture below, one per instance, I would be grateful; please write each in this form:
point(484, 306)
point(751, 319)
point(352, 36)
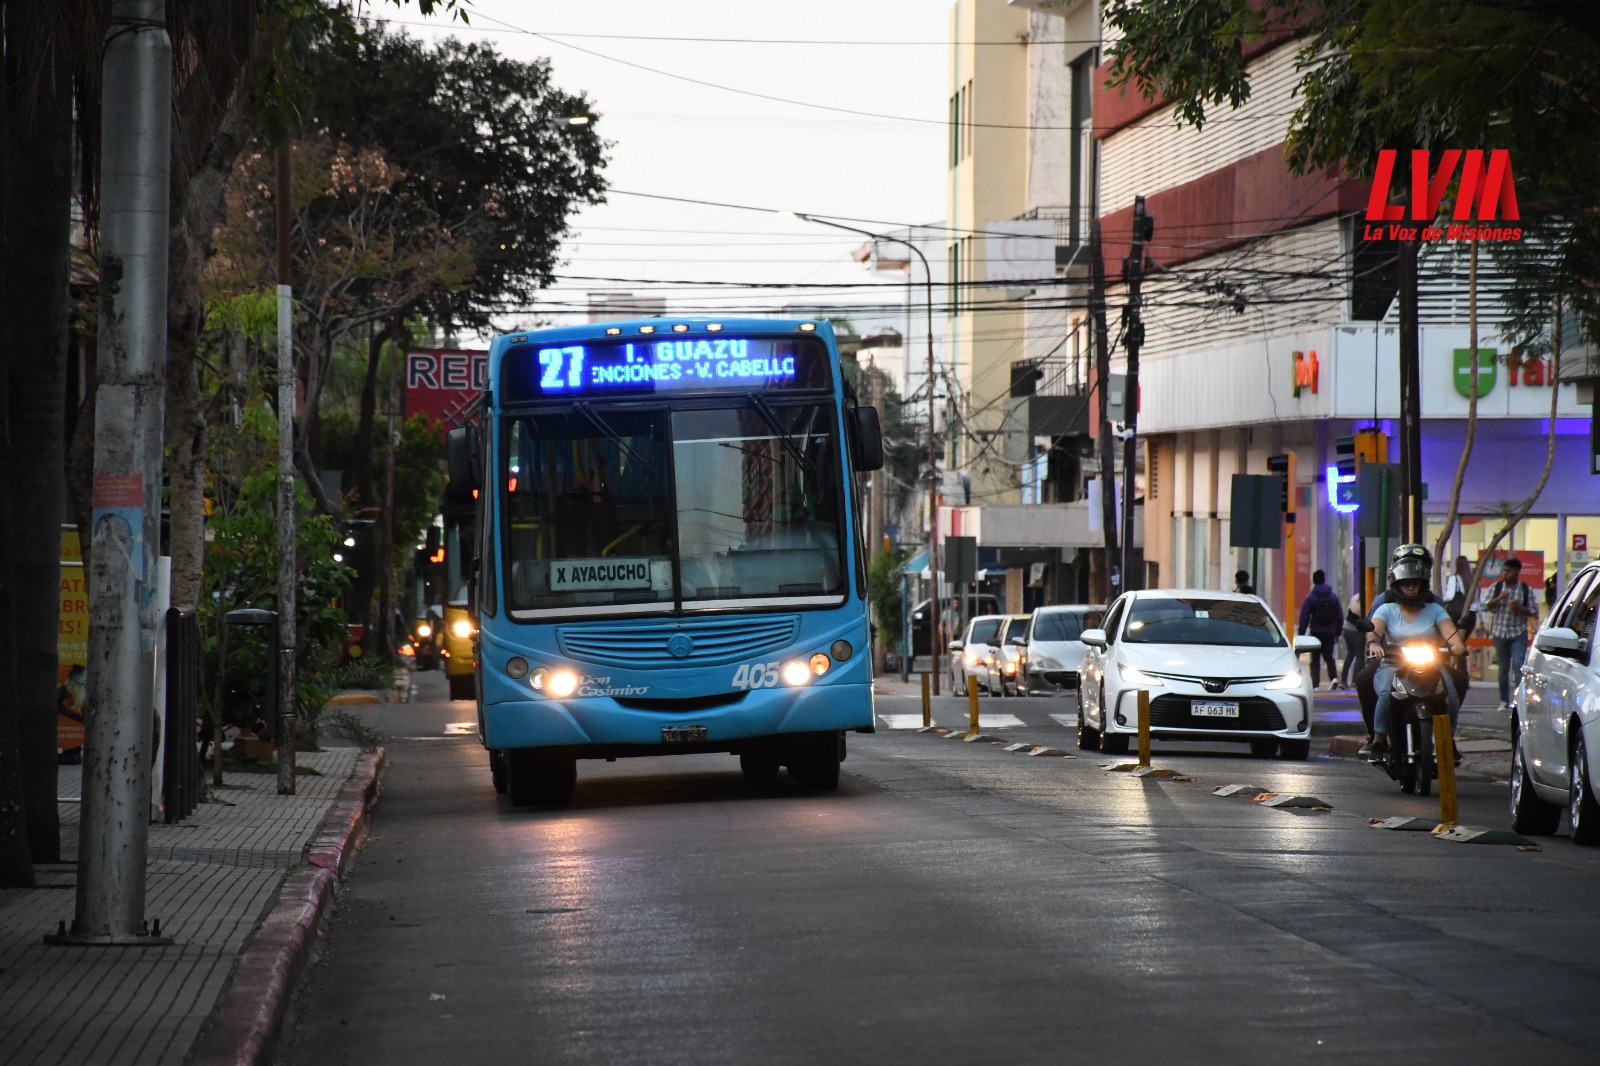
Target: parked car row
point(1022, 654)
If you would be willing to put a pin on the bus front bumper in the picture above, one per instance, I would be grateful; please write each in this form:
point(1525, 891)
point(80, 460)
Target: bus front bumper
point(601, 723)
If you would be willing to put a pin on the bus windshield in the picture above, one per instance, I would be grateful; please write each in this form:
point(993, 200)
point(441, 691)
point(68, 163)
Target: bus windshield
point(601, 503)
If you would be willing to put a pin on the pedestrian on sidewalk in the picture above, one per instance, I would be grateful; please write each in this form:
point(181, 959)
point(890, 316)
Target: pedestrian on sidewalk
point(1241, 583)
point(1322, 616)
point(1458, 598)
point(1505, 614)
point(1353, 641)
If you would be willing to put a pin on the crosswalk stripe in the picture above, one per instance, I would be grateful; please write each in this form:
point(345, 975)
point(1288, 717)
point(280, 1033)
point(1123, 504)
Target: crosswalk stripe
point(1069, 721)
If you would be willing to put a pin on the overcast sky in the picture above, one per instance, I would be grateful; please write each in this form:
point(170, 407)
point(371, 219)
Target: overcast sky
point(721, 140)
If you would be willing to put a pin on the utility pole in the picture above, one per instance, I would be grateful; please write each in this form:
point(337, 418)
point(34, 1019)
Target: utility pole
point(1410, 395)
point(1102, 370)
point(135, 132)
point(288, 585)
point(386, 634)
point(1133, 273)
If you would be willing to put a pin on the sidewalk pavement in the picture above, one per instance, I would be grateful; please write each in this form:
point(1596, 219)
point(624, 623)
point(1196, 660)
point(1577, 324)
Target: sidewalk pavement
point(240, 886)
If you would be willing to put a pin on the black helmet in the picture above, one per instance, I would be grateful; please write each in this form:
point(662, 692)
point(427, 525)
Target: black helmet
point(1412, 551)
point(1411, 568)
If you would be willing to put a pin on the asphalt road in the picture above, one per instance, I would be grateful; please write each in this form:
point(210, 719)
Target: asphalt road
point(951, 903)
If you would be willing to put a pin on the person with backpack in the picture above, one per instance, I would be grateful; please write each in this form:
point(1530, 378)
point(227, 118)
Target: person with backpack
point(1322, 616)
point(1507, 610)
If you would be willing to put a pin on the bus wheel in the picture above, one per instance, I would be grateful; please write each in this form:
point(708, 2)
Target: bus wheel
point(759, 767)
point(462, 687)
point(497, 770)
point(814, 761)
point(536, 778)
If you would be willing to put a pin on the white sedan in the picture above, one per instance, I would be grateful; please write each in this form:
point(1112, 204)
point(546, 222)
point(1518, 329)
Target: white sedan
point(1217, 665)
point(1555, 725)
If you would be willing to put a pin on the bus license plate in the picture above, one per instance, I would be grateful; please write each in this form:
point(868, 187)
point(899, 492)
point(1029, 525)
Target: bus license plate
point(1214, 708)
point(682, 734)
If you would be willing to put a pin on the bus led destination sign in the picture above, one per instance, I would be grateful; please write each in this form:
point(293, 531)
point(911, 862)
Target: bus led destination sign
point(675, 365)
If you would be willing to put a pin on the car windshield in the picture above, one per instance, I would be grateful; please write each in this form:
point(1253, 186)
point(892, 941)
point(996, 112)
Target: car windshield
point(984, 630)
point(1064, 625)
point(1015, 628)
point(1201, 620)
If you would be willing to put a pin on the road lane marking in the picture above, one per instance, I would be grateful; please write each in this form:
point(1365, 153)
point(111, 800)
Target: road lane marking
point(1066, 721)
point(901, 721)
point(460, 729)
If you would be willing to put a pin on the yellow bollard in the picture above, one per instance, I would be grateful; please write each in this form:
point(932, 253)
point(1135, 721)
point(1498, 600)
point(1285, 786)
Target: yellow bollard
point(927, 708)
point(972, 703)
point(1444, 752)
point(1144, 728)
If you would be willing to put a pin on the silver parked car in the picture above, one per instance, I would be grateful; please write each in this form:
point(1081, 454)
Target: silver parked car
point(1051, 650)
point(1555, 723)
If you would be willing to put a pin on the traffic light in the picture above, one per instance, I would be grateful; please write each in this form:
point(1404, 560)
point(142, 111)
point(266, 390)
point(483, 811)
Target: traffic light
point(1372, 446)
point(1345, 456)
point(1284, 465)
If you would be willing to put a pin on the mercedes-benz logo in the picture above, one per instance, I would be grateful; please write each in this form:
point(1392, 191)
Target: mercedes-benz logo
point(680, 645)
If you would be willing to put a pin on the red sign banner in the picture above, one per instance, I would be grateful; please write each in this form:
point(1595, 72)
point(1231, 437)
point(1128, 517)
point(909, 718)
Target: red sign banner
point(442, 382)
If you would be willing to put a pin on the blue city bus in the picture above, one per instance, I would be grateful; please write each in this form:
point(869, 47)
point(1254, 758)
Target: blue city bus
point(669, 556)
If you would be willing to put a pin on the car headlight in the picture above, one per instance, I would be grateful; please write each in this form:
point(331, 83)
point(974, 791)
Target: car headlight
point(1291, 680)
point(461, 628)
point(1044, 662)
point(1134, 676)
point(970, 657)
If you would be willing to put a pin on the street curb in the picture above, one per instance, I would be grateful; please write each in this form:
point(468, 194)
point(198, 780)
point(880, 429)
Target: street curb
point(242, 1029)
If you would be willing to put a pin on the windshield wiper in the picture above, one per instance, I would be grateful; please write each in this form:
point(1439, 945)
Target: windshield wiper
point(599, 423)
point(783, 435)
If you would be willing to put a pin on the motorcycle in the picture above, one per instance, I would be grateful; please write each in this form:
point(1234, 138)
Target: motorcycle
point(1416, 696)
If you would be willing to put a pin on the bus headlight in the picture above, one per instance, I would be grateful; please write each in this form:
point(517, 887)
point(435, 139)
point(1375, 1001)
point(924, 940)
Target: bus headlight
point(841, 650)
point(517, 667)
point(820, 664)
point(562, 683)
point(796, 672)
point(461, 628)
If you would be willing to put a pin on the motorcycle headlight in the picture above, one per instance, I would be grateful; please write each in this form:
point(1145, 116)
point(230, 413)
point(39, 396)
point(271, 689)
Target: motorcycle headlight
point(1134, 676)
point(1418, 654)
point(1291, 680)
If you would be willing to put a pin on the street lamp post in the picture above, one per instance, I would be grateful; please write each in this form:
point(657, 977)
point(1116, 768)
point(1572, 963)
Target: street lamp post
point(935, 644)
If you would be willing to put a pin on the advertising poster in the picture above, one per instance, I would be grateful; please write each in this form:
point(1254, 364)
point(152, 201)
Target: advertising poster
point(72, 645)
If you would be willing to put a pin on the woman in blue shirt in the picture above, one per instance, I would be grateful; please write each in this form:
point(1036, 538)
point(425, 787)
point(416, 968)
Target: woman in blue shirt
point(1408, 613)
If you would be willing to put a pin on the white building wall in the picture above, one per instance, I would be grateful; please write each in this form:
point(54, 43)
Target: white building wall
point(1154, 153)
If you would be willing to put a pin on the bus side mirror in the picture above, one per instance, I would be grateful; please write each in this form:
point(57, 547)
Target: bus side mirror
point(868, 439)
point(463, 458)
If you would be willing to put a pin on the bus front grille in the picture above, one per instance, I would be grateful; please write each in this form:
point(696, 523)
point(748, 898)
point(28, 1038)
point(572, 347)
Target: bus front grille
point(652, 645)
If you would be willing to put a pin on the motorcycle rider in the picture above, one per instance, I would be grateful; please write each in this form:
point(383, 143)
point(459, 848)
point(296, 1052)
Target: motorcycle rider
point(1410, 612)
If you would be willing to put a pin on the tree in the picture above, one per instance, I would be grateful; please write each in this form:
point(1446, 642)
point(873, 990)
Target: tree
point(52, 47)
